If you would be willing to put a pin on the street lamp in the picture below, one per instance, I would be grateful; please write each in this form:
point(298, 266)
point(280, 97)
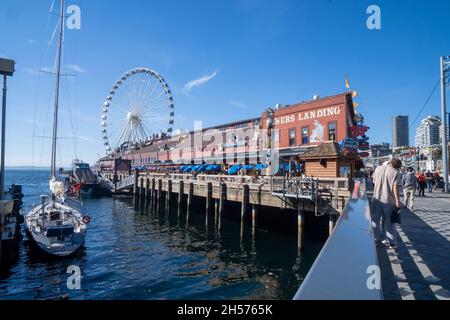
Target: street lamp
point(6, 69)
point(445, 71)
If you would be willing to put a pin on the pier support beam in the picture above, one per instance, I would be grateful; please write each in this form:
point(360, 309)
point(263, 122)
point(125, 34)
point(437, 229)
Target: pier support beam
point(141, 193)
point(168, 195)
point(300, 222)
point(244, 205)
point(189, 201)
point(254, 219)
point(136, 189)
point(223, 193)
point(216, 213)
point(158, 197)
point(180, 197)
point(208, 202)
point(147, 193)
point(152, 195)
point(331, 223)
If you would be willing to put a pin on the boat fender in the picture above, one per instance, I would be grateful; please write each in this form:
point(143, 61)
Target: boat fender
point(86, 219)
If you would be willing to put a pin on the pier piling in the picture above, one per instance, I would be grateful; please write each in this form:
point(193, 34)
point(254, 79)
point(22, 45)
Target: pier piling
point(180, 197)
point(147, 193)
point(189, 201)
point(159, 195)
point(141, 193)
point(331, 223)
point(223, 192)
point(168, 195)
point(152, 194)
point(299, 228)
point(254, 219)
point(216, 212)
point(136, 189)
point(208, 201)
point(244, 204)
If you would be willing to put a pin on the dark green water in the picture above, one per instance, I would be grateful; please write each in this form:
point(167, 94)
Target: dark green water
point(131, 254)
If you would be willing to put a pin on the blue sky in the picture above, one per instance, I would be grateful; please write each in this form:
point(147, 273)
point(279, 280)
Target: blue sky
point(248, 55)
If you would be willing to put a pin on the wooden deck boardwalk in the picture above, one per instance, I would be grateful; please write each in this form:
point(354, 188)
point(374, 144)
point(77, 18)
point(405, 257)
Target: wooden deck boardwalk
point(419, 268)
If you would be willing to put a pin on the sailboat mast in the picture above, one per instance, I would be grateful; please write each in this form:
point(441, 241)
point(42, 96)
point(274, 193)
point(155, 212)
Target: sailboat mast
point(58, 75)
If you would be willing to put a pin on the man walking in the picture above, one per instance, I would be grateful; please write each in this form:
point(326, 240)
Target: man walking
point(386, 197)
point(422, 183)
point(409, 182)
point(429, 179)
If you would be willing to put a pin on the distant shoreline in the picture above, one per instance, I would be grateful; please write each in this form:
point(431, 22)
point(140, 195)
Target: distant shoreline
point(27, 168)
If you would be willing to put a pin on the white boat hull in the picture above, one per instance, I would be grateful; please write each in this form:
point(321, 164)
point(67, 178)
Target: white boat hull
point(61, 237)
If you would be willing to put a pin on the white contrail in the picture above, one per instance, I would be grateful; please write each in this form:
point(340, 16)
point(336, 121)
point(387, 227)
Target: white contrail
point(199, 82)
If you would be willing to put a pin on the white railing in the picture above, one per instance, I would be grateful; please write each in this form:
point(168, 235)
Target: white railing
point(204, 178)
point(306, 187)
point(125, 183)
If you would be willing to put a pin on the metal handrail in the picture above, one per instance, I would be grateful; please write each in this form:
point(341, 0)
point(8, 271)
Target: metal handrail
point(347, 266)
point(127, 182)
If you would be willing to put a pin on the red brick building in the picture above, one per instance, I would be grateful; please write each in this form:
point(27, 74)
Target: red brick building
point(292, 130)
point(312, 122)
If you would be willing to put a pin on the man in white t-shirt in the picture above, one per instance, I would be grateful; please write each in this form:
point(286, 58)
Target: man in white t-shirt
point(386, 197)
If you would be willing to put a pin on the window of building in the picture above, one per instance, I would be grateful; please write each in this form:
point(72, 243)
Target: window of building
point(332, 131)
point(292, 137)
point(305, 135)
point(344, 172)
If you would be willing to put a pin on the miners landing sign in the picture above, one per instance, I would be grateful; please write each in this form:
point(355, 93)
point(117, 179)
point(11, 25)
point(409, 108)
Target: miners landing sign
point(309, 115)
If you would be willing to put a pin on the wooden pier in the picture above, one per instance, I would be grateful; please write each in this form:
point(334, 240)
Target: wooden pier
point(150, 189)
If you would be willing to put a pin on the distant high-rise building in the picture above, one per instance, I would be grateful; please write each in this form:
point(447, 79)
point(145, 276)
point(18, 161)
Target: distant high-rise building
point(428, 133)
point(380, 150)
point(400, 131)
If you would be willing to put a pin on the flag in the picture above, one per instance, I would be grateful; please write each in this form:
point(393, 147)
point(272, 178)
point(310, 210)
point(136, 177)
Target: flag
point(347, 83)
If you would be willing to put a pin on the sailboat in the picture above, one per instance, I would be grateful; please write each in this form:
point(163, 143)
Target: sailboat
point(55, 225)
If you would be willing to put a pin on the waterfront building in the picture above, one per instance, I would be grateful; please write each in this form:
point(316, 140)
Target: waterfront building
point(427, 134)
point(380, 150)
point(328, 160)
point(400, 131)
point(284, 132)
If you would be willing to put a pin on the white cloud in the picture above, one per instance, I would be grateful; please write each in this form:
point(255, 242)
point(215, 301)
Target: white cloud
point(76, 68)
point(32, 41)
point(36, 71)
point(199, 82)
point(70, 67)
point(31, 71)
point(238, 104)
point(88, 139)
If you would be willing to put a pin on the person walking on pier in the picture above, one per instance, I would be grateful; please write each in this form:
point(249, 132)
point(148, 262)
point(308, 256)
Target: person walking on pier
point(422, 184)
point(409, 182)
point(430, 181)
point(386, 198)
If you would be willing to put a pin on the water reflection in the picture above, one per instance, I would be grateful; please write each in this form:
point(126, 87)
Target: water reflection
point(150, 254)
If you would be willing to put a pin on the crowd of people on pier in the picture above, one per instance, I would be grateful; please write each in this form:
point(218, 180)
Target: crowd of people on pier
point(389, 181)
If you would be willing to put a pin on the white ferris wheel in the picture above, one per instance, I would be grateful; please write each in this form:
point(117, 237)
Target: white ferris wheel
point(138, 107)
